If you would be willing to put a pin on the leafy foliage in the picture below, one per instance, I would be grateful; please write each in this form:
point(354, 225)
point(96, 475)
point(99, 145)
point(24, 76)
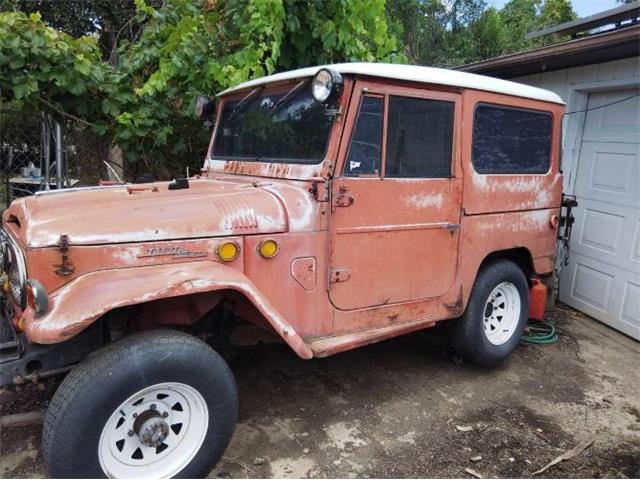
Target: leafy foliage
point(145, 100)
point(131, 69)
point(453, 32)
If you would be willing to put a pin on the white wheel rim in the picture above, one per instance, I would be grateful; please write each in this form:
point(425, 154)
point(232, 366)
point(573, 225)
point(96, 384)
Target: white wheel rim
point(501, 313)
point(177, 406)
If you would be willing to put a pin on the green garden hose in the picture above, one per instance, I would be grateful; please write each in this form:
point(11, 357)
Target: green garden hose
point(540, 333)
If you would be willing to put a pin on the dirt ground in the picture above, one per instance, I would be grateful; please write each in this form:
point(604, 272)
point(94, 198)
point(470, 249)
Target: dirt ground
point(403, 408)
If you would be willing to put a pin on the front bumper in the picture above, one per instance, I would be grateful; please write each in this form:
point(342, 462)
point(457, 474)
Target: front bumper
point(22, 361)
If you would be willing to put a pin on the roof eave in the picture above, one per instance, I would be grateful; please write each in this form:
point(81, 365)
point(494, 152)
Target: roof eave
point(608, 46)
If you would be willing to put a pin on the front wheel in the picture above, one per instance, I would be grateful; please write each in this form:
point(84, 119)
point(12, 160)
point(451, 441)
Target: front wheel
point(157, 404)
point(496, 314)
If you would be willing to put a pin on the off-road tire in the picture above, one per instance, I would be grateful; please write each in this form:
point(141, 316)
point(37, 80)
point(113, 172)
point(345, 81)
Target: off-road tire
point(89, 395)
point(467, 334)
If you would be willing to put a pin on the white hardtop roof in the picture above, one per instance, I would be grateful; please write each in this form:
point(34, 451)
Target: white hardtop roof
point(414, 73)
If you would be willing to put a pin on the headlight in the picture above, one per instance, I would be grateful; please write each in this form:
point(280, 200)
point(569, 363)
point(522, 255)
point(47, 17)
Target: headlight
point(326, 85)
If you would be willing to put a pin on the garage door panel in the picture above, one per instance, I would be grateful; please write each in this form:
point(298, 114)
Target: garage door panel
point(607, 233)
point(603, 292)
point(609, 172)
point(619, 122)
point(635, 251)
point(601, 230)
point(630, 311)
point(591, 285)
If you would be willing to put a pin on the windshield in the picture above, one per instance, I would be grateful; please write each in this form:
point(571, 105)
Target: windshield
point(285, 126)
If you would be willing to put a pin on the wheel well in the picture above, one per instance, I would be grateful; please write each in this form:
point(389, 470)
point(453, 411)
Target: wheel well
point(210, 313)
point(520, 256)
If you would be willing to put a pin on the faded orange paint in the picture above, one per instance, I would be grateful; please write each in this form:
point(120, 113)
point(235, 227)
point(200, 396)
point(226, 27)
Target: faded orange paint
point(361, 259)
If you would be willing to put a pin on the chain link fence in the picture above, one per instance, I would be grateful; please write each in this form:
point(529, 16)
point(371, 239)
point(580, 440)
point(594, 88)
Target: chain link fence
point(29, 150)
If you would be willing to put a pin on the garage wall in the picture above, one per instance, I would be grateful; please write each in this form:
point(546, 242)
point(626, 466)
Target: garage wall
point(569, 83)
point(601, 161)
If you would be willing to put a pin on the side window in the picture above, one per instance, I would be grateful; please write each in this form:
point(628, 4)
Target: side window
point(419, 137)
point(365, 149)
point(511, 140)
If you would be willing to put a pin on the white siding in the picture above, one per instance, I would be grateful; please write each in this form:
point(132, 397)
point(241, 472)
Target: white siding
point(562, 81)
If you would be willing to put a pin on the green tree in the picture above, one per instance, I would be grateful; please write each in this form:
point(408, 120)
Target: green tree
point(489, 36)
point(107, 20)
point(421, 26)
point(145, 101)
point(520, 17)
point(554, 12)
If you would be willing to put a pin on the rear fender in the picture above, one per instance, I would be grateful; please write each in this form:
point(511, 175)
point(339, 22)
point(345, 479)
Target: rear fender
point(82, 301)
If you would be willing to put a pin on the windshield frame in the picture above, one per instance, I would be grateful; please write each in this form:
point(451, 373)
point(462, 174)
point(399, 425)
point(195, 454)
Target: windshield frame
point(278, 88)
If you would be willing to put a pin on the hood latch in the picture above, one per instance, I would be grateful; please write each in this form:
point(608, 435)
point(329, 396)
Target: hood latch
point(66, 267)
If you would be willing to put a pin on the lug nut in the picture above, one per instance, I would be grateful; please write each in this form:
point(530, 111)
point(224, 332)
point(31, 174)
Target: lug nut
point(153, 406)
point(131, 433)
point(165, 414)
point(134, 415)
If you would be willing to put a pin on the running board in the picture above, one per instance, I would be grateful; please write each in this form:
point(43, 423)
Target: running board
point(325, 346)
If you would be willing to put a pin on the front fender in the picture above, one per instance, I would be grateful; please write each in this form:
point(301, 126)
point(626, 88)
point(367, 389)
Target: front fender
point(82, 301)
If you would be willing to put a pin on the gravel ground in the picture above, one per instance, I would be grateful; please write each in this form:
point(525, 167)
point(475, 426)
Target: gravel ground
point(407, 408)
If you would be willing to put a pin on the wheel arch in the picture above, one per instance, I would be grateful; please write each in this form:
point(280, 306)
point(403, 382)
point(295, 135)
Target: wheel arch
point(521, 256)
point(86, 299)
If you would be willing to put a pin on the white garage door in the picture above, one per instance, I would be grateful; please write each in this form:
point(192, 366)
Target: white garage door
point(603, 277)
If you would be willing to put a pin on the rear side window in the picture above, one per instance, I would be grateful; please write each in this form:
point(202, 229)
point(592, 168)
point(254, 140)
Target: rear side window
point(365, 150)
point(511, 140)
point(419, 137)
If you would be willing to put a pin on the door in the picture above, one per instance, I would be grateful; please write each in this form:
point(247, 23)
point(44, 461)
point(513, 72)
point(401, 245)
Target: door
point(603, 277)
point(396, 198)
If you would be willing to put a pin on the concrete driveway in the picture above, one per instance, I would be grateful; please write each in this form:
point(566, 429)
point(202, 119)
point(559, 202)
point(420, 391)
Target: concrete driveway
point(407, 408)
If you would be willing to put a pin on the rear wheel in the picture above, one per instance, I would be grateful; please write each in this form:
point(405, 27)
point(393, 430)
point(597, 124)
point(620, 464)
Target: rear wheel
point(496, 314)
point(157, 404)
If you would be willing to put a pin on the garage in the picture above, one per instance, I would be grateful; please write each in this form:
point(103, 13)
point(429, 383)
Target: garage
point(603, 275)
point(597, 74)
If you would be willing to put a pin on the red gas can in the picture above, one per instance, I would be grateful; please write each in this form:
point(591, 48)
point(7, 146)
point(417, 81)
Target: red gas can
point(537, 299)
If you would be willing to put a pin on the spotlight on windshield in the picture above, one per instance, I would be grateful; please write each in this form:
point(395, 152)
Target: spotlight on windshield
point(327, 86)
point(205, 107)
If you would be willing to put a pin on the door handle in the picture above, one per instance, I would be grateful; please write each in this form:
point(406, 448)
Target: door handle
point(452, 227)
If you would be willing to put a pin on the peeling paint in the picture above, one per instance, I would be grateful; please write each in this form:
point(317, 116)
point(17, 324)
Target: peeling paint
point(425, 201)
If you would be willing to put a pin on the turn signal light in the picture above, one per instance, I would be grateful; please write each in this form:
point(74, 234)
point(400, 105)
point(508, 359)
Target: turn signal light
point(227, 251)
point(268, 248)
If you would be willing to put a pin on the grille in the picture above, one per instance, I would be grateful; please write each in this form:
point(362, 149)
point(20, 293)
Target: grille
point(14, 267)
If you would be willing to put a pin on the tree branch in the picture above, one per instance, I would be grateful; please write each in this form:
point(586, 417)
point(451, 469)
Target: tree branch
point(65, 114)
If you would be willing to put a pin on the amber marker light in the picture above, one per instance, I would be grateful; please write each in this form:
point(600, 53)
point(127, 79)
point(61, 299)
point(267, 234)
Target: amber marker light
point(268, 248)
point(227, 251)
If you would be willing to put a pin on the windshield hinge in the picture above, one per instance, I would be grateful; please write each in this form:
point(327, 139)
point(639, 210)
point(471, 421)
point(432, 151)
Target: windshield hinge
point(334, 112)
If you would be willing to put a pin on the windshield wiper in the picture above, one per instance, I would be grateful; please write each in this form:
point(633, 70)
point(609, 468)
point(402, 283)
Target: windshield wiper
point(242, 104)
point(285, 98)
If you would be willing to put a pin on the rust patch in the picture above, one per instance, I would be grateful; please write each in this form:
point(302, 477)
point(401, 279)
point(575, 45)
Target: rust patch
point(456, 307)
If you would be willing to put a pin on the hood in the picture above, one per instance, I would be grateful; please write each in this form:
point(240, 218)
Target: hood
point(146, 212)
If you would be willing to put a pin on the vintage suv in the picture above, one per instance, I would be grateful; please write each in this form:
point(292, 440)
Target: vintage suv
point(337, 206)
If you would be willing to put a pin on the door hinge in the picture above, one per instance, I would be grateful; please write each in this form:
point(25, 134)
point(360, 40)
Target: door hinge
point(320, 190)
point(338, 275)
